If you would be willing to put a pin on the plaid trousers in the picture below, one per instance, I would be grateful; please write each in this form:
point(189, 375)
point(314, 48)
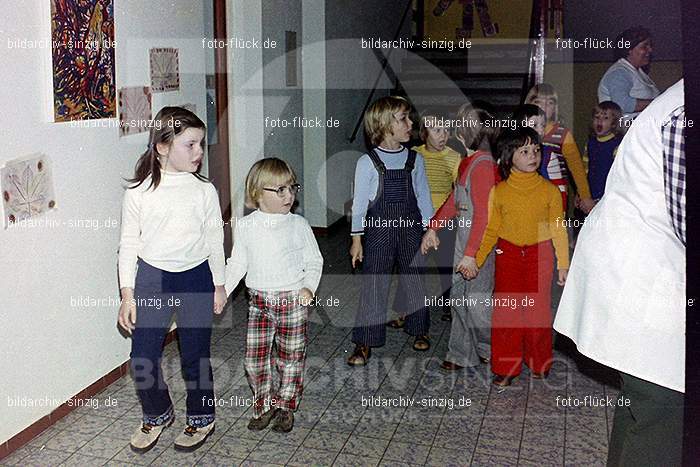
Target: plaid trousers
point(279, 319)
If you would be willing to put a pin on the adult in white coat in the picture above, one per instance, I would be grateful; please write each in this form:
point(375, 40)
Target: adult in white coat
point(626, 82)
point(624, 300)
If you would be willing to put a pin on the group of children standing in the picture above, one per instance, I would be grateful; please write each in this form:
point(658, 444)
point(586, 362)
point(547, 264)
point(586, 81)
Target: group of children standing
point(501, 227)
point(507, 191)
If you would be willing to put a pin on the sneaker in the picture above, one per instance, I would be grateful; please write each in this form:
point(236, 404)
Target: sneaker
point(192, 437)
point(260, 423)
point(146, 436)
point(284, 422)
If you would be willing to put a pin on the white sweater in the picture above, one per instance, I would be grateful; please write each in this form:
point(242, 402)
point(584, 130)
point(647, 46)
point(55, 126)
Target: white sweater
point(275, 252)
point(175, 227)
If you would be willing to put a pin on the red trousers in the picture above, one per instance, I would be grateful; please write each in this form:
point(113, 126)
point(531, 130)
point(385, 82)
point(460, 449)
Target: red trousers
point(521, 326)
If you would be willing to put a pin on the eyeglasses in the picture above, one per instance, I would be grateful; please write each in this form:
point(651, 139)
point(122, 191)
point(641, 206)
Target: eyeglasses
point(282, 191)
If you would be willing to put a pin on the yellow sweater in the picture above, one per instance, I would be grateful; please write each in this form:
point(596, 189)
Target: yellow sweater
point(525, 209)
point(441, 170)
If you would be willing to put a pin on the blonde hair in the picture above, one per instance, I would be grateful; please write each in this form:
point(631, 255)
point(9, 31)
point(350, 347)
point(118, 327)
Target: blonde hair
point(477, 125)
point(380, 115)
point(267, 172)
point(545, 90)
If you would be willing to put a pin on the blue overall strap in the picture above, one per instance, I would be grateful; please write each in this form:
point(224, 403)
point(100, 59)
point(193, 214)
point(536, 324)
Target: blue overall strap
point(378, 164)
point(410, 160)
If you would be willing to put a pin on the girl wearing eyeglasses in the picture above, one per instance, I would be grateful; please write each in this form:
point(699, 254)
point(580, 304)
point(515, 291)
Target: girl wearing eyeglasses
point(277, 253)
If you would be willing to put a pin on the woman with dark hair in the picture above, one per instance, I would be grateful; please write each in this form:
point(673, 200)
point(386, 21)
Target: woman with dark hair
point(626, 82)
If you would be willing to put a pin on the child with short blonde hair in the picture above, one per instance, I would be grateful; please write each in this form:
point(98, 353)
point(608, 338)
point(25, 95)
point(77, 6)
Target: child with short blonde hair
point(277, 253)
point(391, 204)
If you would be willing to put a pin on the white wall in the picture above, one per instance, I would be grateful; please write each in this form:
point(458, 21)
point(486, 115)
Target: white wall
point(245, 88)
point(52, 349)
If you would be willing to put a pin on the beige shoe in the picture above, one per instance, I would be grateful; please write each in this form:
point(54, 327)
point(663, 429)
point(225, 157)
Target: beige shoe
point(146, 436)
point(192, 437)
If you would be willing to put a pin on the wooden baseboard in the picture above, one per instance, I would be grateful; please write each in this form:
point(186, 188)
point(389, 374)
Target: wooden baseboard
point(36, 428)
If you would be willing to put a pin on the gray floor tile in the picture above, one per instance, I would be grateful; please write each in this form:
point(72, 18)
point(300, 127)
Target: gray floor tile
point(348, 460)
point(272, 453)
point(365, 446)
point(104, 447)
point(45, 457)
point(326, 440)
point(81, 460)
point(312, 457)
point(406, 452)
point(232, 447)
point(440, 457)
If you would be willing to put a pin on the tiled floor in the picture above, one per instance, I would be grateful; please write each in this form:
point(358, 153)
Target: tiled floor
point(455, 419)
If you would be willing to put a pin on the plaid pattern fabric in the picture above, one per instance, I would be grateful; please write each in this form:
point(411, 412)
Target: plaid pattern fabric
point(275, 318)
point(673, 139)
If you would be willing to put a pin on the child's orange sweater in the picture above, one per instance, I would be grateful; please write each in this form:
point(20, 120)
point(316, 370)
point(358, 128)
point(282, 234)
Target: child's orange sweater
point(525, 209)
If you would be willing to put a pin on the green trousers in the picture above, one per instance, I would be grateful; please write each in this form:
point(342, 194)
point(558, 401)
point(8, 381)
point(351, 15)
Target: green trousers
point(648, 432)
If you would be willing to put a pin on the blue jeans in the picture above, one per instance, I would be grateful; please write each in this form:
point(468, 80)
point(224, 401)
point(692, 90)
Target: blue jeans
point(158, 294)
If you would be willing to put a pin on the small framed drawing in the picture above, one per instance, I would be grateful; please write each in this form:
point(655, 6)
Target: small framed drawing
point(27, 188)
point(165, 69)
point(134, 110)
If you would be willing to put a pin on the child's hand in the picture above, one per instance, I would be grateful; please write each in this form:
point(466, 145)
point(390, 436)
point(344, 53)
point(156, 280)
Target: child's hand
point(305, 296)
point(430, 240)
point(467, 267)
point(219, 299)
point(563, 273)
point(586, 204)
point(356, 250)
point(127, 311)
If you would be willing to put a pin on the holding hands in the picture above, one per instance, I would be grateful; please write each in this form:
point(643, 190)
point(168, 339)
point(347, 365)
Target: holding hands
point(430, 240)
point(219, 299)
point(467, 267)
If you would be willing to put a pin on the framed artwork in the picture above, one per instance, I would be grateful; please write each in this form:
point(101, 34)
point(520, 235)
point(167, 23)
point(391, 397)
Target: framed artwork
point(134, 110)
point(27, 188)
point(82, 33)
point(165, 70)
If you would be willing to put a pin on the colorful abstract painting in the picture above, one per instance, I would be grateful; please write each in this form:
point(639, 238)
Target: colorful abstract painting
point(82, 33)
point(27, 189)
point(134, 110)
point(165, 70)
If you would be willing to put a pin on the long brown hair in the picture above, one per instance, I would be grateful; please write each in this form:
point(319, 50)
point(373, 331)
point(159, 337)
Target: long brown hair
point(167, 124)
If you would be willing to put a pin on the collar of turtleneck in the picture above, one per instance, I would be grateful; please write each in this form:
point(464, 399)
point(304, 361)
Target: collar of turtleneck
point(524, 180)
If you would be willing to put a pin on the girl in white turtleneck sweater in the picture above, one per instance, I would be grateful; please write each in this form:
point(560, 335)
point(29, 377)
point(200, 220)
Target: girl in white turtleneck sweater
point(171, 257)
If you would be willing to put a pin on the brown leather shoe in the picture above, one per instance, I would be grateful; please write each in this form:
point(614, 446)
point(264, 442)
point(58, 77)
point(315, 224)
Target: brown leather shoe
point(503, 381)
point(397, 323)
point(359, 356)
point(449, 366)
point(421, 344)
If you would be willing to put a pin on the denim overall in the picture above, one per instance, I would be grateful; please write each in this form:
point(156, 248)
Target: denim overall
point(393, 235)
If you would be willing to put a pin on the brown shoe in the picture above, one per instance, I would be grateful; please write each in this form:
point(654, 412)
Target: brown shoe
point(503, 381)
point(359, 356)
point(421, 344)
point(397, 323)
point(260, 423)
point(449, 366)
point(284, 422)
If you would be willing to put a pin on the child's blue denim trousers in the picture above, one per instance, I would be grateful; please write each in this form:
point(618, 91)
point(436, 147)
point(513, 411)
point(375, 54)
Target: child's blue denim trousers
point(158, 294)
